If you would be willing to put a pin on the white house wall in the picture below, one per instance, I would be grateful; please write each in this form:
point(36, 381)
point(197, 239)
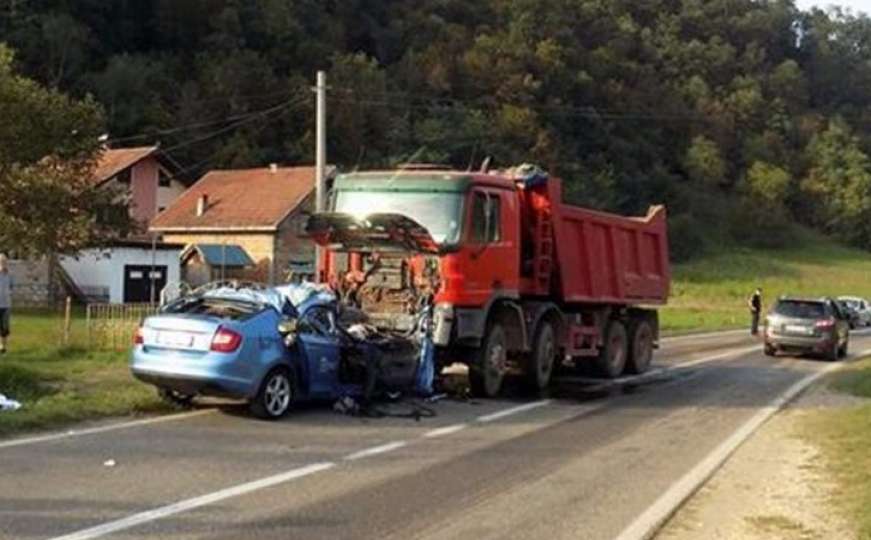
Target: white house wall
point(95, 268)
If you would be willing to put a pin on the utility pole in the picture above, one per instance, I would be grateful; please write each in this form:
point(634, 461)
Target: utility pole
point(320, 155)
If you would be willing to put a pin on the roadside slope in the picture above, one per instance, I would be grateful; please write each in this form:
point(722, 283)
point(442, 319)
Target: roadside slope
point(711, 292)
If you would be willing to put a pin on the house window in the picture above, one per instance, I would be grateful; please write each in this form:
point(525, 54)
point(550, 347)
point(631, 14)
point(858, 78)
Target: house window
point(163, 179)
point(124, 176)
point(160, 209)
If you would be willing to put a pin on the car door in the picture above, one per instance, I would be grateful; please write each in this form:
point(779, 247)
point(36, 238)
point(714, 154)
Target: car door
point(319, 344)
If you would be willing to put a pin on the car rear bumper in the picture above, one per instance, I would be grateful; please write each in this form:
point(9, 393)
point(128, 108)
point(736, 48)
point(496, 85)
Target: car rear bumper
point(799, 343)
point(204, 375)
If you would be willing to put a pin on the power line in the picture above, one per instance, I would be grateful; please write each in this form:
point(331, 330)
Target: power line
point(195, 125)
point(249, 119)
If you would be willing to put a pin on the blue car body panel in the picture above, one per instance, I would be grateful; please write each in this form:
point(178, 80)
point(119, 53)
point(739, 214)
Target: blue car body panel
point(192, 368)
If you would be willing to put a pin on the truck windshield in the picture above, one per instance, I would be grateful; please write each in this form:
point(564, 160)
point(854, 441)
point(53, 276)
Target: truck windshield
point(439, 212)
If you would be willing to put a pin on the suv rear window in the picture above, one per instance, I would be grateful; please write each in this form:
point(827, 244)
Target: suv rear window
point(800, 309)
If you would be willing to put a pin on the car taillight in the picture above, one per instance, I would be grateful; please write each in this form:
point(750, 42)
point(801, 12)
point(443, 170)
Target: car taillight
point(226, 340)
point(825, 323)
point(137, 337)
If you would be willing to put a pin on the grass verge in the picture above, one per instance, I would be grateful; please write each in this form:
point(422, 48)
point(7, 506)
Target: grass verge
point(844, 437)
point(59, 385)
point(711, 292)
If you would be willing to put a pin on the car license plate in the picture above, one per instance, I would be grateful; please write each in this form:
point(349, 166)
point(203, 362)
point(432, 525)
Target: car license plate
point(175, 339)
point(795, 329)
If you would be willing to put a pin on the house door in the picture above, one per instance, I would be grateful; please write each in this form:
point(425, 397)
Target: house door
point(137, 282)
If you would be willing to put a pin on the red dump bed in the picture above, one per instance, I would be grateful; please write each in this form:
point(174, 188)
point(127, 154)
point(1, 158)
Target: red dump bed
point(606, 258)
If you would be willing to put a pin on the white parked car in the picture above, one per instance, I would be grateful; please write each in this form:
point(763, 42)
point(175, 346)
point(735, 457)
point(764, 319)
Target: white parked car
point(861, 307)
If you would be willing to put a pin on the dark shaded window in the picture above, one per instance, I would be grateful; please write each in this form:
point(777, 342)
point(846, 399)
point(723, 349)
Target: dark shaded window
point(486, 219)
point(163, 179)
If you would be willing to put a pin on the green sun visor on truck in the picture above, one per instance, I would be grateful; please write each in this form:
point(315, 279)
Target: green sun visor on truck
point(376, 232)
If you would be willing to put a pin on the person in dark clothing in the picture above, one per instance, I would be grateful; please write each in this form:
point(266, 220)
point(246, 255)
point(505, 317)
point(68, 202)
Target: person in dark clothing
point(755, 305)
point(5, 301)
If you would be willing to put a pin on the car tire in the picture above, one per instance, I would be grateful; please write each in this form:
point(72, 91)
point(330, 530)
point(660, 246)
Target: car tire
point(640, 347)
point(612, 357)
point(542, 358)
point(176, 399)
point(769, 350)
point(488, 369)
point(834, 353)
point(276, 395)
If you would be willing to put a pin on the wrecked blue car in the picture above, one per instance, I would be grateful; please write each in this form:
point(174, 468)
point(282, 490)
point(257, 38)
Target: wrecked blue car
point(275, 347)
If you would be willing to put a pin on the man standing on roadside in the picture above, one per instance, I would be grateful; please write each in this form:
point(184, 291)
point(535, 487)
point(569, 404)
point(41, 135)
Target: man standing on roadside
point(5, 301)
point(755, 305)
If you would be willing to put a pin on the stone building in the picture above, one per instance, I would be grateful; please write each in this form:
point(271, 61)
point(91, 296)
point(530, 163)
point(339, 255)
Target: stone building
point(254, 213)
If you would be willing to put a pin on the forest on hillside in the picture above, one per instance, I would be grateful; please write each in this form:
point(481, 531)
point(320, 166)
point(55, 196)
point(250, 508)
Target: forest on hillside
point(744, 116)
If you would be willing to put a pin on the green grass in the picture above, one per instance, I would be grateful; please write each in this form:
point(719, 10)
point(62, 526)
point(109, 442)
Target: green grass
point(59, 385)
point(844, 436)
point(711, 292)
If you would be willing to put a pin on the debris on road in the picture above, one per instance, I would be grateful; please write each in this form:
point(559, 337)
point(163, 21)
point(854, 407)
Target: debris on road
point(7, 404)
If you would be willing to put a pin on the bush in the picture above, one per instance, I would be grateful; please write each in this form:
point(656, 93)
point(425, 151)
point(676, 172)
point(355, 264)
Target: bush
point(753, 225)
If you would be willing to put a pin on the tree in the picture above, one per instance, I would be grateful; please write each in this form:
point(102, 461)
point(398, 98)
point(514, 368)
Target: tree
point(48, 147)
point(704, 162)
point(839, 183)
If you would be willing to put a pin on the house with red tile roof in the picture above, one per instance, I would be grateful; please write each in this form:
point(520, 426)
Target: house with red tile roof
point(254, 215)
point(132, 269)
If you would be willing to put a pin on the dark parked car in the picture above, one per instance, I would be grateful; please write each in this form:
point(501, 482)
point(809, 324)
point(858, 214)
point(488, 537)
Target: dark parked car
point(807, 325)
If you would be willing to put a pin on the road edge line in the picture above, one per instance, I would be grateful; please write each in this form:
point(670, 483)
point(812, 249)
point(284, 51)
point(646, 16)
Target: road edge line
point(647, 524)
point(70, 433)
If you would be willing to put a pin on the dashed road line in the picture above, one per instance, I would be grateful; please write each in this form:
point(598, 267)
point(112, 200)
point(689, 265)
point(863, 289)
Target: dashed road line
point(196, 502)
point(443, 431)
point(513, 410)
point(375, 450)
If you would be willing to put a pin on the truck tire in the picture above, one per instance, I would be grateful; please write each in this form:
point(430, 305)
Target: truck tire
point(640, 346)
point(488, 368)
point(542, 358)
point(612, 357)
point(276, 395)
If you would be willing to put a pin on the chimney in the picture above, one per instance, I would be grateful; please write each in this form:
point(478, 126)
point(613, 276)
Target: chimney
point(273, 168)
point(202, 204)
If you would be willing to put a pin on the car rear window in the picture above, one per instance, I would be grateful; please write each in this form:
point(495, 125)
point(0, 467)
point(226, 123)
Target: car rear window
point(800, 309)
point(215, 307)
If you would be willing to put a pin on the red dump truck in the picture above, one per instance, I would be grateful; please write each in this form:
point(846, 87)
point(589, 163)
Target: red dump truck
point(517, 281)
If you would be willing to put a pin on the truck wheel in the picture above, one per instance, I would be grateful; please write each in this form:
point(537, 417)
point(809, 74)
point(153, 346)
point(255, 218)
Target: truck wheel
point(276, 395)
point(641, 350)
point(612, 358)
point(540, 361)
point(488, 369)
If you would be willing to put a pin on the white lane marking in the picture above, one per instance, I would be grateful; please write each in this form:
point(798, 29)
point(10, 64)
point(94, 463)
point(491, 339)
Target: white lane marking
point(102, 429)
point(514, 410)
point(646, 525)
point(375, 450)
point(196, 502)
point(447, 430)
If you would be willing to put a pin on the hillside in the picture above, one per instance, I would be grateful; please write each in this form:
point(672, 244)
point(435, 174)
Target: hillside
point(711, 291)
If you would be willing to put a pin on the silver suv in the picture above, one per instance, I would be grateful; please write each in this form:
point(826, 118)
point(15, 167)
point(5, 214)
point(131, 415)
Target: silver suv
point(807, 325)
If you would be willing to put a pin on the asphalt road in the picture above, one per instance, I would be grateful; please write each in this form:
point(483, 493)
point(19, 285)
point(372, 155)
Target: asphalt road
point(584, 462)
